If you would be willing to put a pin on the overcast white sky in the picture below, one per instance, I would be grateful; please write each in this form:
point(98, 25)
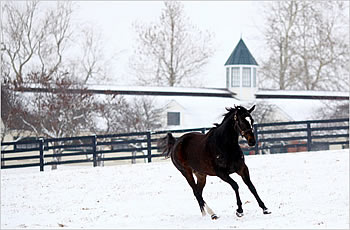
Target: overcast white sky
point(227, 20)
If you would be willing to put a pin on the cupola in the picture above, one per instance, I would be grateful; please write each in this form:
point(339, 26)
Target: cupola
point(241, 72)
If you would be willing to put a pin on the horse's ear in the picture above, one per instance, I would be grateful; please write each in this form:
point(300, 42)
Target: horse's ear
point(228, 108)
point(251, 109)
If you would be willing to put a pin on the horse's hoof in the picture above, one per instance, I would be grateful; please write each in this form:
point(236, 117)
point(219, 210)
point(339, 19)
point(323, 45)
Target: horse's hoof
point(239, 214)
point(214, 217)
point(266, 211)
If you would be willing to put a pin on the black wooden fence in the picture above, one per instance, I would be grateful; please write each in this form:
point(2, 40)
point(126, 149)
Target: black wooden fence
point(98, 149)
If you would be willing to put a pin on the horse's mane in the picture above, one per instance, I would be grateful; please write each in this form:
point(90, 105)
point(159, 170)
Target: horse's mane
point(228, 114)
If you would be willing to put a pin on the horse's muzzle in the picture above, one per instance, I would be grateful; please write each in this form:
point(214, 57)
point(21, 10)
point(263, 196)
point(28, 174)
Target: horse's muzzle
point(251, 142)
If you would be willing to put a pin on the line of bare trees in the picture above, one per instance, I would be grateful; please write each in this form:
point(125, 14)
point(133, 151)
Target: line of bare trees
point(41, 47)
point(308, 45)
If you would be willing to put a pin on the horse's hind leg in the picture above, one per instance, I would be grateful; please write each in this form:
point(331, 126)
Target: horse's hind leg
point(201, 180)
point(187, 173)
point(244, 173)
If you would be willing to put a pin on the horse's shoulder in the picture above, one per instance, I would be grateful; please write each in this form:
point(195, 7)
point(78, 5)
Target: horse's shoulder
point(230, 162)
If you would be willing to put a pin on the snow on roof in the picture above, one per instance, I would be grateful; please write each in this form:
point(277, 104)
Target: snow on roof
point(141, 90)
point(201, 107)
point(302, 94)
point(166, 91)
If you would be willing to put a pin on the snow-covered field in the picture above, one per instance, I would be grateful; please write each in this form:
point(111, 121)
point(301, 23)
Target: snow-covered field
point(303, 190)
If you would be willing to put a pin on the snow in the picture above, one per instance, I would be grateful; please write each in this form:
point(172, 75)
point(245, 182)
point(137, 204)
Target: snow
point(158, 89)
point(303, 190)
point(303, 93)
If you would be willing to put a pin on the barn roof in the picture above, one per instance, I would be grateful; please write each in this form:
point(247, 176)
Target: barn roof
point(201, 107)
point(241, 56)
point(302, 94)
point(144, 90)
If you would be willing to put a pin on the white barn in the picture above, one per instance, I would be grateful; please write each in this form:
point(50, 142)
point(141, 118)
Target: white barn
point(201, 107)
point(185, 107)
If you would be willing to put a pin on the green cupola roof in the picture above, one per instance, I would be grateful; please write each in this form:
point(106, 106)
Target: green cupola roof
point(241, 56)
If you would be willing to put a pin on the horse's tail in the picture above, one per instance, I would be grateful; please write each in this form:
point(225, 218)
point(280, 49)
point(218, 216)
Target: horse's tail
point(166, 144)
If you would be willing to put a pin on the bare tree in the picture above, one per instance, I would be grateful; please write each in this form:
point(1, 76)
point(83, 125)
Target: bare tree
point(92, 53)
point(171, 50)
point(111, 110)
point(279, 35)
point(135, 115)
point(35, 40)
point(264, 112)
point(308, 44)
point(322, 46)
point(41, 37)
point(93, 65)
point(333, 110)
point(38, 42)
point(146, 115)
point(11, 108)
point(64, 108)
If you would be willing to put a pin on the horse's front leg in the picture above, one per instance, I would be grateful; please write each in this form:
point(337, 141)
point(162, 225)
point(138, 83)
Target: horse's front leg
point(244, 173)
point(226, 177)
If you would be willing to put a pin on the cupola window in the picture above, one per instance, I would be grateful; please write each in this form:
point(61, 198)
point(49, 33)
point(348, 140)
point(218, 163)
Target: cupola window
point(235, 77)
point(254, 77)
point(246, 77)
point(227, 77)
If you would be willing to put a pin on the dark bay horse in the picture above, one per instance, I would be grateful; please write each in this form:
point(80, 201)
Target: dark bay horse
point(216, 153)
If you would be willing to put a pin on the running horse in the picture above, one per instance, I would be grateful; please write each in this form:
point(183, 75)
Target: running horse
point(216, 153)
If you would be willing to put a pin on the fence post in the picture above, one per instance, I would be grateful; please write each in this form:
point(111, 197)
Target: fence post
point(149, 147)
point(3, 157)
point(41, 149)
point(203, 130)
point(309, 140)
point(94, 154)
point(255, 126)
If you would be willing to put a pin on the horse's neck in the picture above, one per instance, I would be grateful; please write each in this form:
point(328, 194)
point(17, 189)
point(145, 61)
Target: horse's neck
point(226, 136)
point(226, 149)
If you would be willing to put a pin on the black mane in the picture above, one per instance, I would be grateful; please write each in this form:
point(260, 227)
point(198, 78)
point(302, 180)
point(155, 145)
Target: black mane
point(230, 112)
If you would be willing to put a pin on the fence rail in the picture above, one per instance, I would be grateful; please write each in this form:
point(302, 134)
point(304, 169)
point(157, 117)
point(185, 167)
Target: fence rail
point(99, 149)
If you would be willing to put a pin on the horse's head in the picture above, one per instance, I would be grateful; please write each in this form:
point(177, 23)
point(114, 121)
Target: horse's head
point(243, 123)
